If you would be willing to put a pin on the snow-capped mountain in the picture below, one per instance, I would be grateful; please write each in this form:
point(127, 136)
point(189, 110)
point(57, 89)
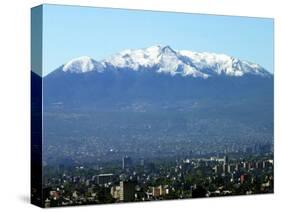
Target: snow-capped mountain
point(160, 77)
point(164, 59)
point(185, 96)
point(82, 65)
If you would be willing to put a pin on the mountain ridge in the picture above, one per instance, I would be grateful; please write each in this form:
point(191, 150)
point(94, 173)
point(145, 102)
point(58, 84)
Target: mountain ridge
point(165, 60)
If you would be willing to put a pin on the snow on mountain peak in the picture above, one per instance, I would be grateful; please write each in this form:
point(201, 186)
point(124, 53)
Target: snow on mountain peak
point(135, 58)
point(82, 65)
point(164, 59)
point(221, 64)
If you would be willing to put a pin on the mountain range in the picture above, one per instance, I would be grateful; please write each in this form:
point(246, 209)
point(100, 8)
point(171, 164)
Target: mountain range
point(142, 100)
point(153, 76)
point(163, 59)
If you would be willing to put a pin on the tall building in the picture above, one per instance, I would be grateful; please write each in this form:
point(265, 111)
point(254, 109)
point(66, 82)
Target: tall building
point(226, 160)
point(127, 191)
point(126, 162)
point(104, 178)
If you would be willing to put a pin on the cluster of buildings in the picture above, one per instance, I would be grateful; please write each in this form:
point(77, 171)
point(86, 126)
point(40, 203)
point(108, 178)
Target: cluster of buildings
point(173, 180)
point(228, 168)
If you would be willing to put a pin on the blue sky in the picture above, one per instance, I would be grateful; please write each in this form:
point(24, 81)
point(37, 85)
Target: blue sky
point(73, 31)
